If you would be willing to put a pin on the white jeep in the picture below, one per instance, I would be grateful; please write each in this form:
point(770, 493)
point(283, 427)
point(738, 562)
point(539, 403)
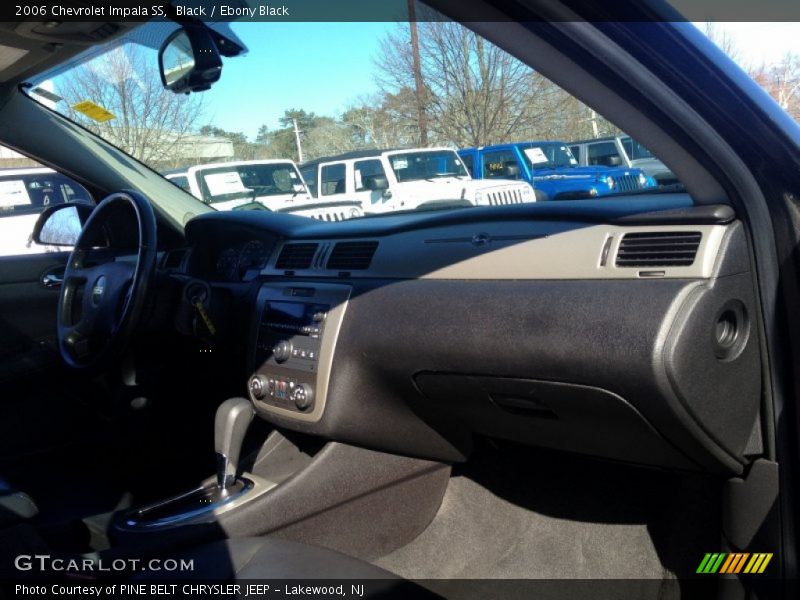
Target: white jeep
point(417, 178)
point(275, 185)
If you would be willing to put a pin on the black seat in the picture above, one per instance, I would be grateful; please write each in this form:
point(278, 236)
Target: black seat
point(269, 558)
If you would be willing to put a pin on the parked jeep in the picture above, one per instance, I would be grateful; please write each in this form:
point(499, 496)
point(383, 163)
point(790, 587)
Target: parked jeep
point(417, 178)
point(552, 169)
point(621, 151)
point(259, 184)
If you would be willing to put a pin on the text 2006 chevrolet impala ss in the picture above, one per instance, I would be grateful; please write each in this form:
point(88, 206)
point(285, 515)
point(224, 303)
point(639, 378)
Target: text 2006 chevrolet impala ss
point(552, 399)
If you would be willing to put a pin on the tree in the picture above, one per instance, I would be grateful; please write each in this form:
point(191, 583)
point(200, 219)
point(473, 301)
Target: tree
point(150, 123)
point(724, 40)
point(262, 137)
point(474, 92)
point(383, 121)
point(782, 82)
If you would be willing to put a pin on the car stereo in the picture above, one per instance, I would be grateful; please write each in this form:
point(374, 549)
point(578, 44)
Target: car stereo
point(295, 330)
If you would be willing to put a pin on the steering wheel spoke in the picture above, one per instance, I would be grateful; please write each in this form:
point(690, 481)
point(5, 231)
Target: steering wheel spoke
point(100, 305)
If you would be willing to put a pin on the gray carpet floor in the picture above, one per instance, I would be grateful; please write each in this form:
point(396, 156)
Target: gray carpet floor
point(521, 513)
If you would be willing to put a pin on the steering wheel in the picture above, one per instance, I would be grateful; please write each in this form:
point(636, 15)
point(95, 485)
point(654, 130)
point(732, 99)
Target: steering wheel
point(101, 304)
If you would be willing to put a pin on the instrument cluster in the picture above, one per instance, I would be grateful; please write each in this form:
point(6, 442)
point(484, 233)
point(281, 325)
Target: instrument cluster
point(242, 262)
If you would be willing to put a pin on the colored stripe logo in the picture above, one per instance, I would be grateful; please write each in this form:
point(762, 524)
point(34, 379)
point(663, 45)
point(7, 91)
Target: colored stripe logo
point(734, 562)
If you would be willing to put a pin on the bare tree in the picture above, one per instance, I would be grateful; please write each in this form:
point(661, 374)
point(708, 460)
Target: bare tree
point(724, 40)
point(150, 123)
point(782, 81)
point(383, 121)
point(474, 92)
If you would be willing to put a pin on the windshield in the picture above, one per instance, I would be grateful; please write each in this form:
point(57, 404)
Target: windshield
point(359, 97)
point(414, 166)
point(548, 156)
point(635, 150)
point(223, 183)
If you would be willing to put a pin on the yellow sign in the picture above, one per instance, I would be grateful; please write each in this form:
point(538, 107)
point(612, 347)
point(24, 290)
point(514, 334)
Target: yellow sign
point(93, 111)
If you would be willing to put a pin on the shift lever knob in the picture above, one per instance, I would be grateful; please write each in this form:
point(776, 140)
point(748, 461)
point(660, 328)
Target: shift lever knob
point(231, 423)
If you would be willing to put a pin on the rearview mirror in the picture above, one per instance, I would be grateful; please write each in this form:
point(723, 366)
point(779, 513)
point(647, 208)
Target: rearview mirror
point(61, 224)
point(189, 60)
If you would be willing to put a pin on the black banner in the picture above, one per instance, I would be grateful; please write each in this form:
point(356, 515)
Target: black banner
point(397, 10)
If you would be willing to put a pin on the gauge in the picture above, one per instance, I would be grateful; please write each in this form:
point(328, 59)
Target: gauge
point(228, 264)
point(252, 256)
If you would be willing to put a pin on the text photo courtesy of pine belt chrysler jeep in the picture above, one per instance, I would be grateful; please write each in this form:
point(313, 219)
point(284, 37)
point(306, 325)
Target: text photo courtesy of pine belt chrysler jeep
point(418, 178)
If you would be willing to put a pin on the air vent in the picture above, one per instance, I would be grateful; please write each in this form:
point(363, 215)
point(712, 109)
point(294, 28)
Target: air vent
point(658, 249)
point(296, 256)
point(352, 256)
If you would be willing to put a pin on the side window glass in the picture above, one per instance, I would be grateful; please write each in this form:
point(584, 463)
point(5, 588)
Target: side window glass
point(603, 153)
point(502, 164)
point(310, 177)
point(467, 160)
point(333, 179)
point(365, 174)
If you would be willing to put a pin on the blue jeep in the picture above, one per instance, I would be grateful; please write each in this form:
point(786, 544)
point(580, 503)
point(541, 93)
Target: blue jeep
point(552, 170)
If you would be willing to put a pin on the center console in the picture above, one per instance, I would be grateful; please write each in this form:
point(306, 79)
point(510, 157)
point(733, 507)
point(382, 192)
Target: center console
point(295, 331)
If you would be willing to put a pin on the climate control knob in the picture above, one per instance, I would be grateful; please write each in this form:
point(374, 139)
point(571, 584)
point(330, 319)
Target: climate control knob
point(258, 387)
point(302, 396)
point(282, 351)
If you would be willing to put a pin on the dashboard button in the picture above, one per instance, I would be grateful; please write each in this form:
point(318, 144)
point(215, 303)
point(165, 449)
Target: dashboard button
point(282, 351)
point(258, 387)
point(302, 396)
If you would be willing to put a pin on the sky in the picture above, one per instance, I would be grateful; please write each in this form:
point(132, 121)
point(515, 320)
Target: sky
point(762, 42)
point(326, 67)
point(318, 67)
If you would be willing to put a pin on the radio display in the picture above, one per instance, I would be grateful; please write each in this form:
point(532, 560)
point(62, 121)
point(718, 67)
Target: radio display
point(290, 316)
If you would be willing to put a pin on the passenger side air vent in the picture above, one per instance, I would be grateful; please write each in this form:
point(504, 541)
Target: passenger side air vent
point(296, 256)
point(352, 256)
point(658, 249)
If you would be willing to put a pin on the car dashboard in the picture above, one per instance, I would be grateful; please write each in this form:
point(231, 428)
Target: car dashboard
point(621, 329)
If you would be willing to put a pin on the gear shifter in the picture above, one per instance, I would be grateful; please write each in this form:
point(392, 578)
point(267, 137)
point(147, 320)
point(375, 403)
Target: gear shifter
point(231, 423)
